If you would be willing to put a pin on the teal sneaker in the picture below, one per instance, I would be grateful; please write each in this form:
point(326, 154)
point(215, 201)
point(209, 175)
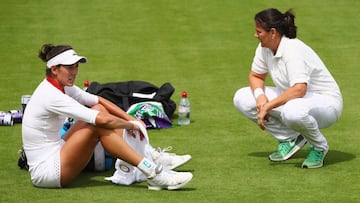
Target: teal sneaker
point(288, 149)
point(315, 159)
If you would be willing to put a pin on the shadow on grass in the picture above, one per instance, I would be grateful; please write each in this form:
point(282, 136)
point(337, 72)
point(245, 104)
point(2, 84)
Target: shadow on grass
point(96, 179)
point(333, 156)
point(89, 179)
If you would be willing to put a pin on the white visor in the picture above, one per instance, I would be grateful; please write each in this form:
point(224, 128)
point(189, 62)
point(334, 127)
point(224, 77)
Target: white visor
point(68, 57)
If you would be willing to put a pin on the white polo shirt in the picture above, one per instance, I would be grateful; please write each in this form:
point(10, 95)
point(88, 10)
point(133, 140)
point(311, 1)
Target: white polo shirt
point(295, 62)
point(45, 114)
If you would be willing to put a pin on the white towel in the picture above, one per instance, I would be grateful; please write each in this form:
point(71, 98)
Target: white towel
point(137, 144)
point(125, 173)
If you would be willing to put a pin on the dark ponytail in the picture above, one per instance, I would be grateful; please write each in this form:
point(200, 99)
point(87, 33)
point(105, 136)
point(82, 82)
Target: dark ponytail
point(289, 24)
point(48, 51)
point(273, 18)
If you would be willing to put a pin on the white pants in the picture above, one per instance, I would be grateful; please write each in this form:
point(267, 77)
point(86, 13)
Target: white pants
point(303, 116)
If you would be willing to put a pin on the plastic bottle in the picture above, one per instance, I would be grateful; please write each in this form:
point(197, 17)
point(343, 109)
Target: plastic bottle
point(86, 85)
point(6, 119)
point(16, 115)
point(184, 109)
point(24, 100)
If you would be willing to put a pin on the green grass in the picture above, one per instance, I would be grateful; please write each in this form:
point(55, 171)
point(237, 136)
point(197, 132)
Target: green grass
point(206, 48)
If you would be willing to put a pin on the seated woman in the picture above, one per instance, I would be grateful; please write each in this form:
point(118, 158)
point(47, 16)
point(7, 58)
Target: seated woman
point(55, 162)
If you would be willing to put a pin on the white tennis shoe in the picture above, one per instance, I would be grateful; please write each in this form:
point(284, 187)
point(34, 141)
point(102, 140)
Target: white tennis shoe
point(168, 179)
point(169, 160)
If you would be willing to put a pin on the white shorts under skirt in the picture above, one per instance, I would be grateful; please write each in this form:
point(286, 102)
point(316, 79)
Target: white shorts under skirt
point(47, 174)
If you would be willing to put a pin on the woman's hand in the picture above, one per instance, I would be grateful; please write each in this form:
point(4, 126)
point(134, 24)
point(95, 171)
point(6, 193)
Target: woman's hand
point(142, 122)
point(136, 129)
point(263, 110)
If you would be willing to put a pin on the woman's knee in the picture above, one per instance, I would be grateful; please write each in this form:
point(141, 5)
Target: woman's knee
point(244, 100)
point(294, 115)
point(99, 107)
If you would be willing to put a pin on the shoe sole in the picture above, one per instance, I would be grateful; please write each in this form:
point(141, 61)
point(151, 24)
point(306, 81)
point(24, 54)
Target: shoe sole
point(170, 187)
point(316, 166)
point(292, 152)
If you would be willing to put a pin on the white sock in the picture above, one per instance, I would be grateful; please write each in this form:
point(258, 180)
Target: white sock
point(147, 167)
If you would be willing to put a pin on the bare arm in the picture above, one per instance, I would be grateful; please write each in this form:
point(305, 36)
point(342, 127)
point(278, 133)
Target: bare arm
point(109, 121)
point(116, 118)
point(114, 109)
point(256, 80)
point(296, 91)
point(264, 106)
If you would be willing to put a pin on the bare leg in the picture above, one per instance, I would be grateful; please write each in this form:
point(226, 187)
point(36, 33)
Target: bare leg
point(80, 142)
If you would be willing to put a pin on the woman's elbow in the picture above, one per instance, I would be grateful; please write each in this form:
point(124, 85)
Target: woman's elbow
point(301, 89)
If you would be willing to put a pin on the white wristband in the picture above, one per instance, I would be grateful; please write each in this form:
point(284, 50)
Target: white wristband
point(258, 92)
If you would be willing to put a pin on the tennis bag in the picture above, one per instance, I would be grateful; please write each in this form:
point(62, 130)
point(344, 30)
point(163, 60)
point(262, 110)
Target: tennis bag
point(125, 94)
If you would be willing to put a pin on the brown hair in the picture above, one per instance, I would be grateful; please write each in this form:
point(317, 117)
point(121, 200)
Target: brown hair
point(284, 23)
point(48, 51)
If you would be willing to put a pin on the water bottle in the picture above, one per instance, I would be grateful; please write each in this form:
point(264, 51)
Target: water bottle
point(66, 126)
point(184, 109)
point(6, 118)
point(86, 85)
point(17, 115)
point(24, 101)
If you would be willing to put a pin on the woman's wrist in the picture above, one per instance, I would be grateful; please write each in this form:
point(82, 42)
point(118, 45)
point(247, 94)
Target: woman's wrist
point(131, 126)
point(257, 92)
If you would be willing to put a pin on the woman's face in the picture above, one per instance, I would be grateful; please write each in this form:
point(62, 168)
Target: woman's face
point(262, 35)
point(269, 39)
point(66, 74)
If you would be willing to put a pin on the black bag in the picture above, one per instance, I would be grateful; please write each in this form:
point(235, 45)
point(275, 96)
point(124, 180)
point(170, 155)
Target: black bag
point(125, 94)
point(22, 161)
